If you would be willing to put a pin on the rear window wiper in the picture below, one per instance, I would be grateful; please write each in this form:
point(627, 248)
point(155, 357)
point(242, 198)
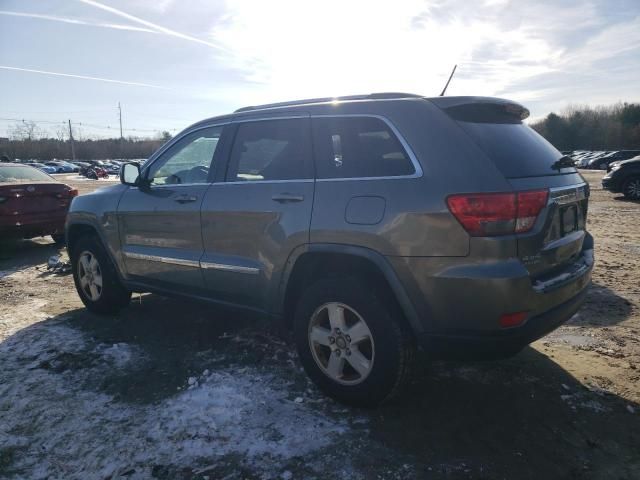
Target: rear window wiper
point(563, 162)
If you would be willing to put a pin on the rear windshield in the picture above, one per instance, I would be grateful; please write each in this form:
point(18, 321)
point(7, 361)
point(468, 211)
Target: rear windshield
point(22, 173)
point(515, 148)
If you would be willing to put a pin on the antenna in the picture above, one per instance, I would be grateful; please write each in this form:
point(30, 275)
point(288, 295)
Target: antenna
point(450, 77)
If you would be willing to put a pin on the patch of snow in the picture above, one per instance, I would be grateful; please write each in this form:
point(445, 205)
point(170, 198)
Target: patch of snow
point(58, 429)
point(6, 273)
point(119, 354)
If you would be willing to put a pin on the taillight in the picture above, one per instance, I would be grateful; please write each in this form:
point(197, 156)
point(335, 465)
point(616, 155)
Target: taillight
point(70, 193)
point(529, 206)
point(508, 320)
point(488, 214)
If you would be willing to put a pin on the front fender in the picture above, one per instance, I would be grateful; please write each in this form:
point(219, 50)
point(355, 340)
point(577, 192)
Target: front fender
point(98, 211)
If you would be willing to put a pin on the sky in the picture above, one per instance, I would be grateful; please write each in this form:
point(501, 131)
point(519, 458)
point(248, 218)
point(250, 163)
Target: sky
point(171, 63)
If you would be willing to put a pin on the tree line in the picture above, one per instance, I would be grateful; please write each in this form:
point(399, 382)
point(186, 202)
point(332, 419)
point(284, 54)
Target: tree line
point(613, 127)
point(26, 141)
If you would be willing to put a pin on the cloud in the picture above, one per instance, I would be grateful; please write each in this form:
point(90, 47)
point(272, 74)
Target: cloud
point(153, 26)
point(77, 21)
point(332, 47)
point(81, 77)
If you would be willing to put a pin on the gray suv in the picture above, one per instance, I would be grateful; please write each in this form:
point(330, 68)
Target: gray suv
point(372, 226)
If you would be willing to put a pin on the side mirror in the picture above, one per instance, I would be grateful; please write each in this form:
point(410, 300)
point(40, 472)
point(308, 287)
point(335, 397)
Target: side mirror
point(130, 174)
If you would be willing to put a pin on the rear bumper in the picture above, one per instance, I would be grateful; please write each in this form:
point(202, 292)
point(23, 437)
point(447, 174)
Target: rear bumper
point(28, 226)
point(503, 343)
point(460, 306)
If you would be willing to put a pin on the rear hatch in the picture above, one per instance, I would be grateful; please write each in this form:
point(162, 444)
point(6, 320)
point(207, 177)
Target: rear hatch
point(555, 241)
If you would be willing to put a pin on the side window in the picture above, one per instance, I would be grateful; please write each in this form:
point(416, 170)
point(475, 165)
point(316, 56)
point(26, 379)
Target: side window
point(348, 147)
point(271, 150)
point(188, 160)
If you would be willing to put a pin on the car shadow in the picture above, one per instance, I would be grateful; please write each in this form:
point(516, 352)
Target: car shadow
point(622, 198)
point(602, 307)
point(524, 417)
point(19, 254)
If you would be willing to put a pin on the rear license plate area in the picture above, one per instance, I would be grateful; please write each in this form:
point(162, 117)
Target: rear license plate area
point(569, 219)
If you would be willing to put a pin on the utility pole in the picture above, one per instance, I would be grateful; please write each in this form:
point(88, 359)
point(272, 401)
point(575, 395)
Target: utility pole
point(120, 114)
point(121, 139)
point(73, 151)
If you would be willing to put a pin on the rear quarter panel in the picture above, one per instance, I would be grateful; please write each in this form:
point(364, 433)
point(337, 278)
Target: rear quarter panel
point(416, 220)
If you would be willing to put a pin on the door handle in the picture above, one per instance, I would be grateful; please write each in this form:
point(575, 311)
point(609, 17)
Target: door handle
point(185, 198)
point(287, 197)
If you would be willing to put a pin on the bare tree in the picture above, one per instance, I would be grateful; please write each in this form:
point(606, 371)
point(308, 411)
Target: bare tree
point(25, 130)
point(61, 133)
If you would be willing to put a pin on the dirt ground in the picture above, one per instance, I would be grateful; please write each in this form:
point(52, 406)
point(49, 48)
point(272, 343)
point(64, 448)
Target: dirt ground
point(170, 389)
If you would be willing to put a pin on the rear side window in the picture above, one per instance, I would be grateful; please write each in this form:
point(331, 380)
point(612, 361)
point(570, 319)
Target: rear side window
point(271, 150)
point(351, 147)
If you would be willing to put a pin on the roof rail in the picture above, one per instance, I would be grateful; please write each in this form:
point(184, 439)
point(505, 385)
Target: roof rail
point(370, 96)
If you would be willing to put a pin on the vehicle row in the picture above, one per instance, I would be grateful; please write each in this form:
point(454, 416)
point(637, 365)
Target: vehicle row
point(111, 167)
point(599, 160)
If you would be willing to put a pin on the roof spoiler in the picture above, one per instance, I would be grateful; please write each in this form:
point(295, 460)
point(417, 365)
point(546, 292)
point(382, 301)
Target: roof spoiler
point(481, 108)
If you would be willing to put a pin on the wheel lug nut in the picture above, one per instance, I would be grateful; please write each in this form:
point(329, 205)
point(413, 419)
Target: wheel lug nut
point(348, 338)
point(338, 352)
point(332, 340)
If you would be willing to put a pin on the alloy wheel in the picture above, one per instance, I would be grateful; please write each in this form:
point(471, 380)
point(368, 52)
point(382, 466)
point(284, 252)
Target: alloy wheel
point(90, 275)
point(633, 189)
point(341, 343)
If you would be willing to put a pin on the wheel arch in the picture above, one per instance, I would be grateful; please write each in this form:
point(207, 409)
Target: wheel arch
point(314, 261)
point(76, 229)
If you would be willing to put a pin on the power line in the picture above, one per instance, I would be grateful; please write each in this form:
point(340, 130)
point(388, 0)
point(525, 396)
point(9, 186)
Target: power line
point(90, 125)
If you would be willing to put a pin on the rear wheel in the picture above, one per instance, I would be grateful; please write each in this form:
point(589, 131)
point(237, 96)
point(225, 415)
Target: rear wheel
point(631, 188)
point(96, 278)
point(349, 343)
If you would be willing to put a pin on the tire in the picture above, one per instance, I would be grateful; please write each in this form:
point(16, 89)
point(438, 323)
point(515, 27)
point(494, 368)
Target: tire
point(111, 296)
point(59, 238)
point(388, 354)
point(631, 188)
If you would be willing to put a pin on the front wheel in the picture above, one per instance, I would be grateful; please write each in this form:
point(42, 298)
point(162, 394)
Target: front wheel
point(631, 188)
point(349, 343)
point(96, 278)
point(58, 238)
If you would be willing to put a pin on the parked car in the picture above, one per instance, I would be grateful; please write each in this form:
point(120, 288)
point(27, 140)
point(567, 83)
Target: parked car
point(32, 203)
point(624, 177)
point(42, 166)
point(369, 225)
point(112, 168)
point(94, 172)
point(61, 167)
point(81, 164)
point(603, 161)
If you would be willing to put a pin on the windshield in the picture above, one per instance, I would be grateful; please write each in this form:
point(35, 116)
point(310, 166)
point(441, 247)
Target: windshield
point(22, 173)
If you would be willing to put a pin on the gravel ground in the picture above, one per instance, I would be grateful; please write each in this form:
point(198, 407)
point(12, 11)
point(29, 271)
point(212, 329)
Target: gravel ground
point(175, 390)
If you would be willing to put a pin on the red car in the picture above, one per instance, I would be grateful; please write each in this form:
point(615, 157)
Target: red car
point(32, 203)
